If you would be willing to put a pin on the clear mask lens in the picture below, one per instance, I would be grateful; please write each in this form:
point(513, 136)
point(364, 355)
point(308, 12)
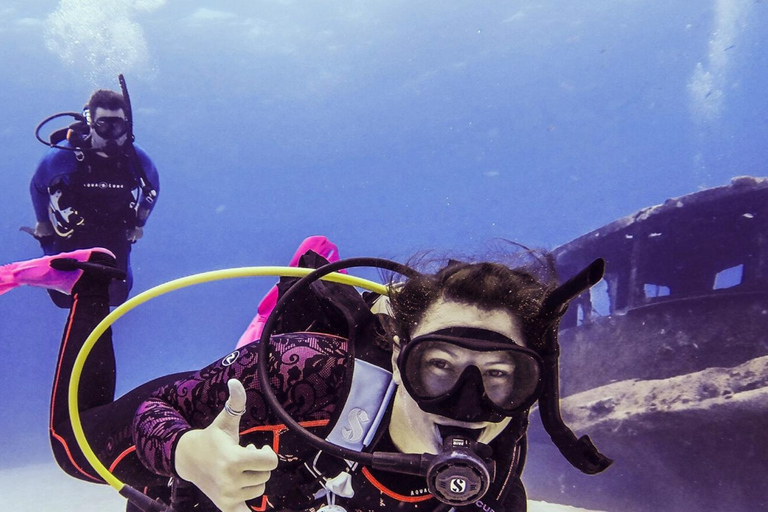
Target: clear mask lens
point(510, 375)
point(110, 127)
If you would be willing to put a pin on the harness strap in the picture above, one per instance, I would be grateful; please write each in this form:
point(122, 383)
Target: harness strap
point(370, 393)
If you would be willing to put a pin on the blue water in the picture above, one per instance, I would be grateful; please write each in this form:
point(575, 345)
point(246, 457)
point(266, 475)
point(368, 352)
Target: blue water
point(388, 126)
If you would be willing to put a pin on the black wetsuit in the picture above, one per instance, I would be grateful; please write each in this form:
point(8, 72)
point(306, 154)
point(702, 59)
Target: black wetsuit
point(92, 203)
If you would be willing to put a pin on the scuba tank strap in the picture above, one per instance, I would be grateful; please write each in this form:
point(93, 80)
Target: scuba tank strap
point(354, 428)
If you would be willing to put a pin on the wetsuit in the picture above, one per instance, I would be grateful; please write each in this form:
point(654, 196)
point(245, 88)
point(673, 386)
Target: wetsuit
point(92, 203)
point(135, 436)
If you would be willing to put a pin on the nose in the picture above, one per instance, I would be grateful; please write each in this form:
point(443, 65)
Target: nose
point(467, 404)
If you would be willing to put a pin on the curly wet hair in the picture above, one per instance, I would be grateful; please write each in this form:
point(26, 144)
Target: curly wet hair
point(487, 285)
point(108, 100)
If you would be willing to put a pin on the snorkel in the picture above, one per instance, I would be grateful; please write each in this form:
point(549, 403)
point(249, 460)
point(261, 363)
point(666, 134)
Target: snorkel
point(147, 188)
point(581, 452)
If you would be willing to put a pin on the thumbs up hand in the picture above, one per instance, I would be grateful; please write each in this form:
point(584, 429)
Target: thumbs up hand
point(213, 460)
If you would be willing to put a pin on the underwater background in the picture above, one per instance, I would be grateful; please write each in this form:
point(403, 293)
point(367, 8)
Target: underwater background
point(389, 126)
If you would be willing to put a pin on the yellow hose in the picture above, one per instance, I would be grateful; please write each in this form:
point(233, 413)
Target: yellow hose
point(176, 284)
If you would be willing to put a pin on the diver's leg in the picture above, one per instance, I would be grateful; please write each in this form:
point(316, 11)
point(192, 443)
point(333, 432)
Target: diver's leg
point(118, 290)
point(90, 304)
point(107, 423)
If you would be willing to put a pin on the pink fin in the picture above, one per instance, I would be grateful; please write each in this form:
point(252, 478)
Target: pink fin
point(322, 246)
point(38, 272)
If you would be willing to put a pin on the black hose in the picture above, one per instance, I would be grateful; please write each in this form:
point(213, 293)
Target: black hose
point(78, 117)
point(143, 501)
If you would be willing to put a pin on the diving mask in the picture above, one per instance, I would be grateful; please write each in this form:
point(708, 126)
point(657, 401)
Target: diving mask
point(470, 374)
point(110, 127)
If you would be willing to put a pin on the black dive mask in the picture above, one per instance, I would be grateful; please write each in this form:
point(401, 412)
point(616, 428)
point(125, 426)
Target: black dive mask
point(110, 127)
point(469, 374)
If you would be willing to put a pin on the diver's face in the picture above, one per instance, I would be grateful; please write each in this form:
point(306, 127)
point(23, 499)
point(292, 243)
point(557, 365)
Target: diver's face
point(415, 431)
point(109, 118)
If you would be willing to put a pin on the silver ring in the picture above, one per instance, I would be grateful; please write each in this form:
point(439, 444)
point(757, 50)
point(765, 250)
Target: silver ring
point(233, 412)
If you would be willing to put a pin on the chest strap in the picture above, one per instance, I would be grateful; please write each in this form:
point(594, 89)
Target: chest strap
point(370, 393)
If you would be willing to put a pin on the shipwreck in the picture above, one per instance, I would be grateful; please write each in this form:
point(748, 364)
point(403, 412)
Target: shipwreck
point(665, 363)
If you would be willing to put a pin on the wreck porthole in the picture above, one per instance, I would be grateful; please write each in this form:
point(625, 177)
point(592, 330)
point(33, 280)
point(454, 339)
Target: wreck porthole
point(655, 290)
point(600, 299)
point(729, 277)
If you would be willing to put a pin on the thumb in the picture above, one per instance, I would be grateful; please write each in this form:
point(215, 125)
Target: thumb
point(228, 419)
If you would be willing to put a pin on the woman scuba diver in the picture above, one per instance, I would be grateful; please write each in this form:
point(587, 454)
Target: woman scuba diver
point(418, 402)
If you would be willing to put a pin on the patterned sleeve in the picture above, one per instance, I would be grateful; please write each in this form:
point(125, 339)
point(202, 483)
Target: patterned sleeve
point(309, 373)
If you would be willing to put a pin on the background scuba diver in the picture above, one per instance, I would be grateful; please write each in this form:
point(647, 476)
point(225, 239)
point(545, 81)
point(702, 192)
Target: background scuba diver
point(470, 333)
point(94, 187)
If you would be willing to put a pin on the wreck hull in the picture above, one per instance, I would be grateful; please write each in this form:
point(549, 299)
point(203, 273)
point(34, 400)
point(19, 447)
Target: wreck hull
point(663, 340)
point(665, 363)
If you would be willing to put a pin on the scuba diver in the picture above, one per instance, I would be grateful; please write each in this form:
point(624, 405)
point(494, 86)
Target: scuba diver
point(415, 401)
point(94, 187)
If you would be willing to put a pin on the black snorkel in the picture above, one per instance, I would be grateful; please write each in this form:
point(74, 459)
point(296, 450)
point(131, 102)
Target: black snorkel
point(581, 452)
point(147, 188)
point(459, 475)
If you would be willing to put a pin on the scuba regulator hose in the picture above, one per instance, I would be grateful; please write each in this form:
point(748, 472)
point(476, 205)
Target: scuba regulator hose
point(134, 496)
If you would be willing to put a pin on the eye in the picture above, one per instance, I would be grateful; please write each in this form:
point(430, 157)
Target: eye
point(439, 364)
point(497, 373)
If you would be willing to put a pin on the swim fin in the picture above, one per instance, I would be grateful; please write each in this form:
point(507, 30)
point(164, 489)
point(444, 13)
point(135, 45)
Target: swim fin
point(57, 272)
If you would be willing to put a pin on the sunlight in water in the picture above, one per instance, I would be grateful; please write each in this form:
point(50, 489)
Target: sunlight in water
point(710, 80)
point(102, 37)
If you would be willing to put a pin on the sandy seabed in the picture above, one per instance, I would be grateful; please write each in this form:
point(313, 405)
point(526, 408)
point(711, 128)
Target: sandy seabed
point(44, 487)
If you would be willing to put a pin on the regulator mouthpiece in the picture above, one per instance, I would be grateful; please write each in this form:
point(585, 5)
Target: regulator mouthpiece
point(459, 476)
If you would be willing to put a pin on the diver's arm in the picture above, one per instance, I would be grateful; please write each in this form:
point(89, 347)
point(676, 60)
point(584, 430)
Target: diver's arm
point(146, 205)
point(319, 361)
point(188, 404)
point(38, 190)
